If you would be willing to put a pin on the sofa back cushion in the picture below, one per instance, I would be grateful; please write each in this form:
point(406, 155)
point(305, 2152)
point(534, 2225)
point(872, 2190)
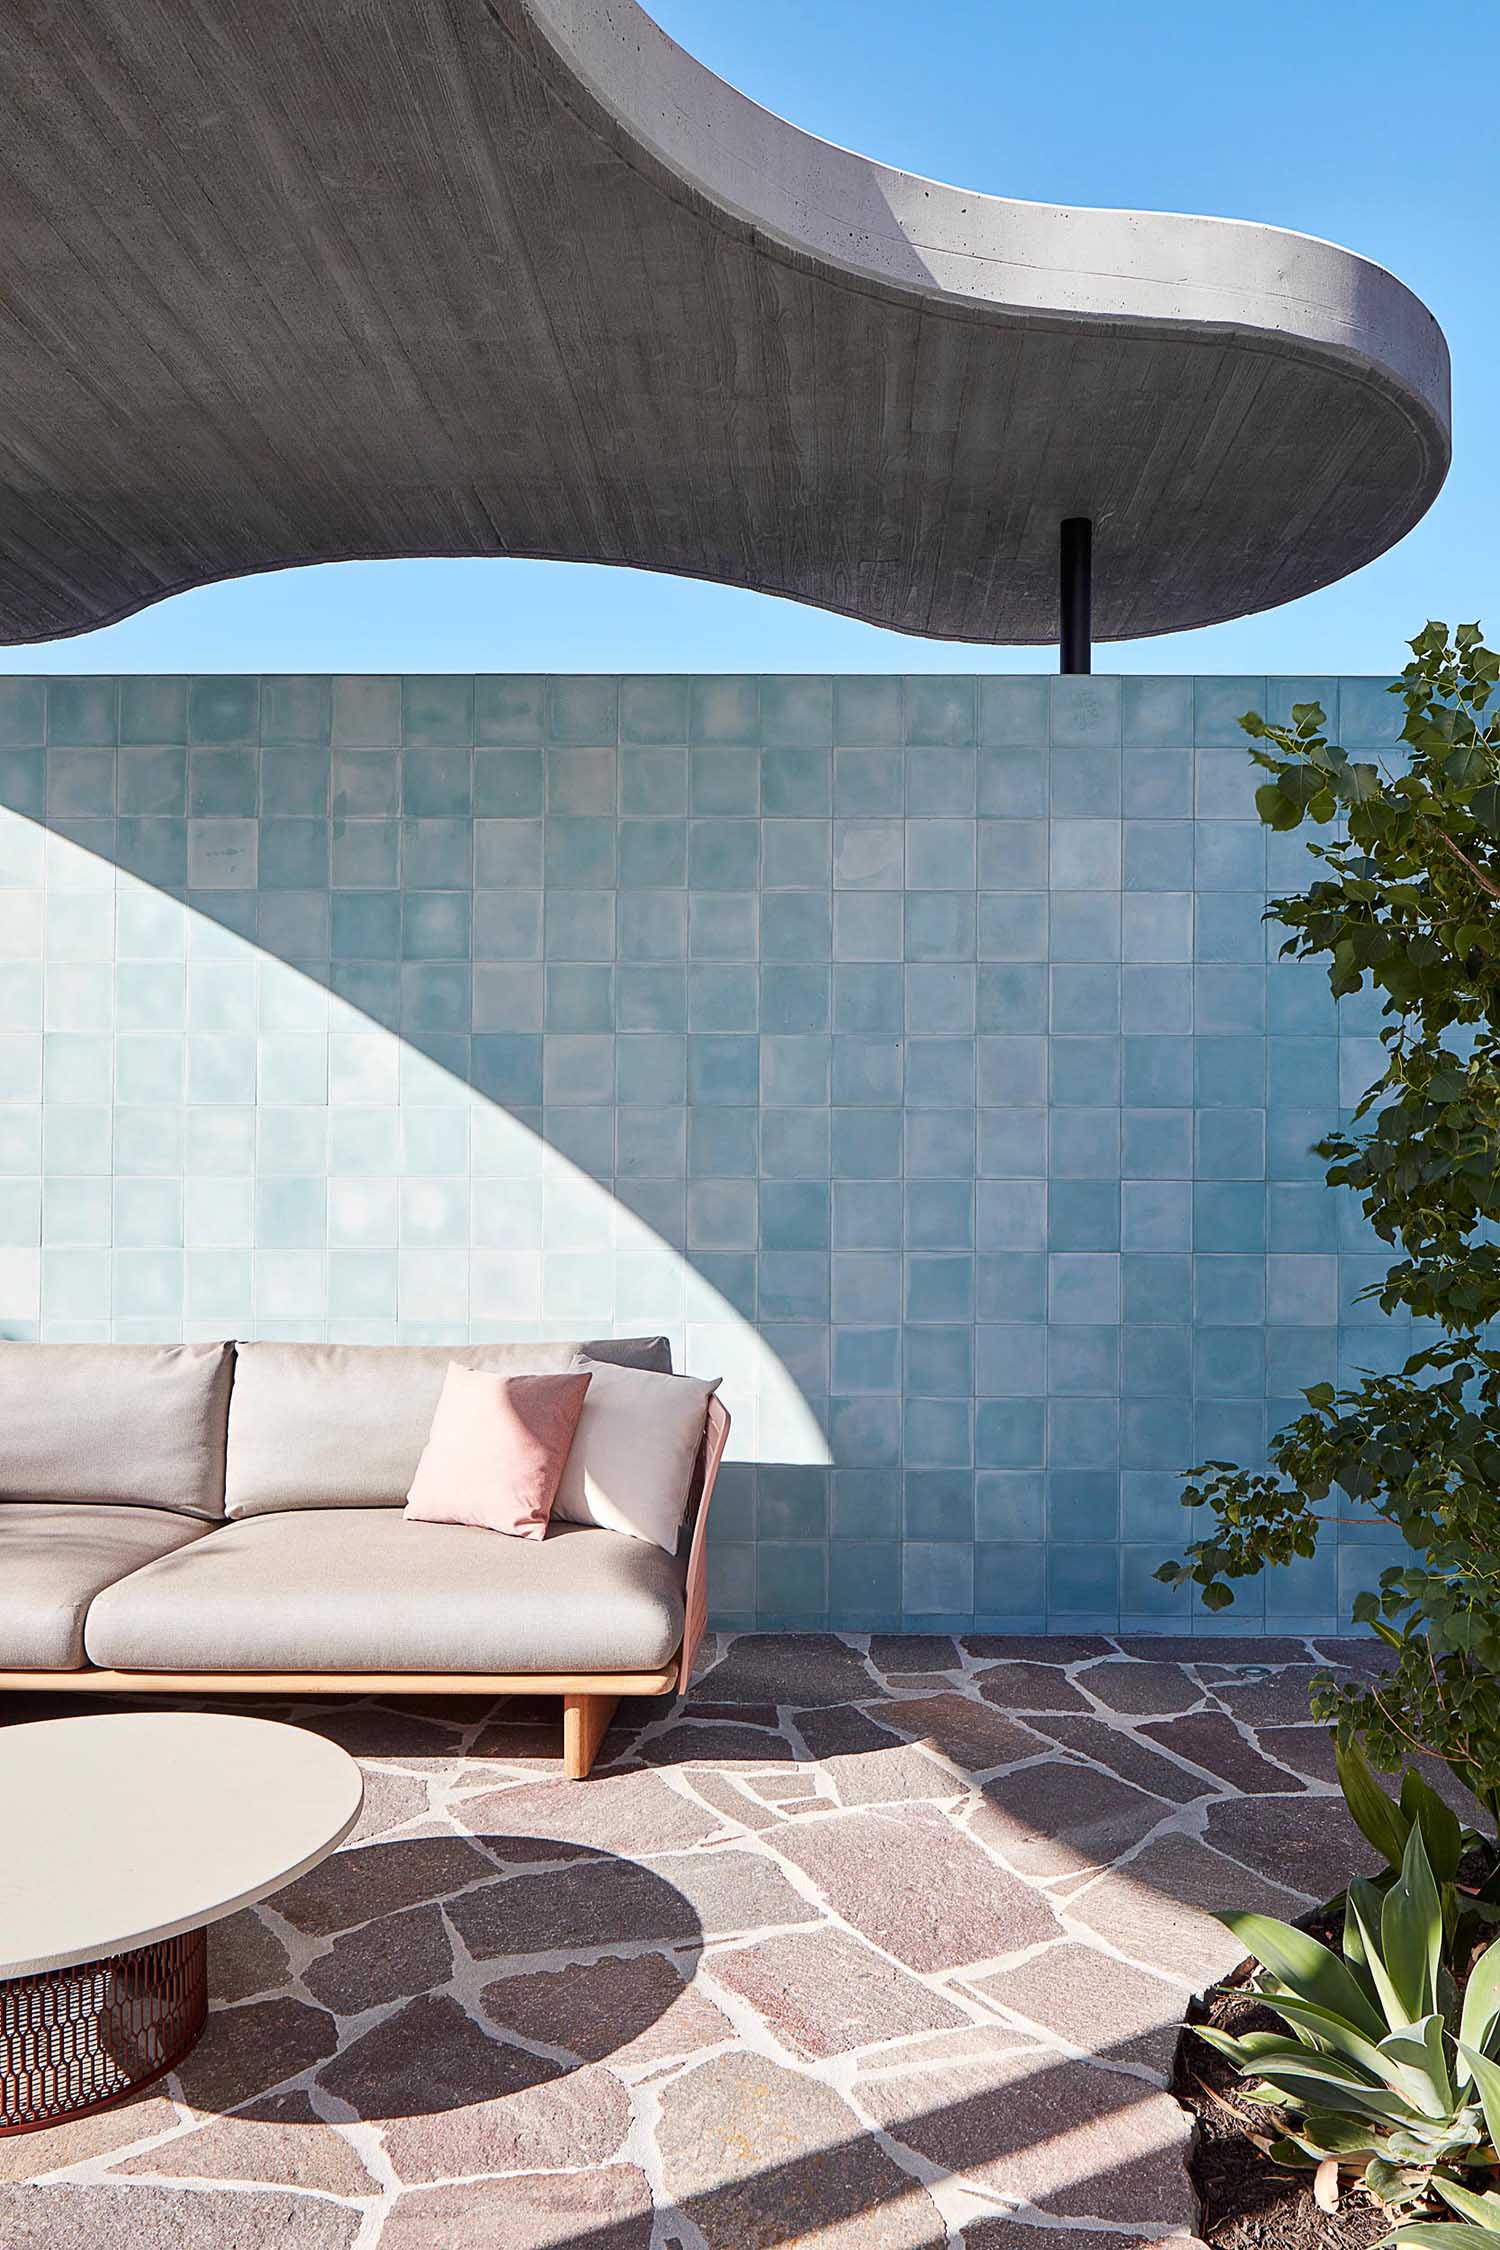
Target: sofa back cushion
point(630, 1467)
point(343, 1425)
point(140, 1424)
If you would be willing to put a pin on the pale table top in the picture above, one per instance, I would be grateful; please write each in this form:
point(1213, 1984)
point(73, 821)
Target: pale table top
point(123, 1828)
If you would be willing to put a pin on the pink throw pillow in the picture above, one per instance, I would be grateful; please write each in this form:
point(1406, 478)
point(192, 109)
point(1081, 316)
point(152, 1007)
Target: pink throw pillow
point(496, 1450)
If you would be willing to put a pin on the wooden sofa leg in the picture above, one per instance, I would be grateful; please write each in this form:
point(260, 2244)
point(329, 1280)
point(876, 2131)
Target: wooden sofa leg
point(585, 1723)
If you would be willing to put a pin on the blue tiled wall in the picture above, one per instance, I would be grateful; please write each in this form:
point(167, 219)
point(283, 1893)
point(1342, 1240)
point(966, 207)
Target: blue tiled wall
point(911, 1049)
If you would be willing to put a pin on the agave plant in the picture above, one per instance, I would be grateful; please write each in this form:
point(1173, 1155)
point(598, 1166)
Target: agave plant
point(1387, 1823)
point(1383, 2071)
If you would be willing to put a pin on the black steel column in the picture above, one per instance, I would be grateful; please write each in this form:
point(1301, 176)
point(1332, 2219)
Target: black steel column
point(1075, 581)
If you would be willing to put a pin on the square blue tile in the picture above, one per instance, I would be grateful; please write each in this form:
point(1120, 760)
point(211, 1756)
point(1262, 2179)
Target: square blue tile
point(1085, 925)
point(937, 1579)
point(723, 1069)
point(583, 710)
point(651, 925)
point(723, 1142)
point(650, 998)
point(1231, 1144)
point(868, 782)
point(507, 925)
point(153, 710)
point(797, 713)
point(722, 998)
point(1157, 784)
point(580, 925)
point(1012, 784)
point(1086, 782)
point(365, 853)
point(1218, 705)
point(296, 712)
point(1086, 713)
point(941, 855)
point(652, 854)
point(437, 784)
point(1013, 855)
point(436, 710)
point(652, 781)
point(866, 1144)
point(1156, 712)
point(438, 854)
point(1083, 1215)
point(940, 926)
point(1012, 997)
point(1014, 927)
point(796, 782)
point(1158, 855)
point(83, 711)
point(580, 852)
point(1229, 1215)
point(796, 926)
point(223, 709)
point(293, 855)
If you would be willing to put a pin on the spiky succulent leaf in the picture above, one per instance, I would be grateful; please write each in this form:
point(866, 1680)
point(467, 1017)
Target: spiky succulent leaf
point(1324, 2134)
point(1365, 1907)
point(1486, 2077)
point(1319, 2082)
point(1411, 1932)
point(1481, 2009)
point(1482, 2207)
point(1394, 2184)
point(1243, 2049)
point(1333, 2034)
point(1421, 2067)
point(1442, 1831)
point(1307, 1968)
point(1441, 2234)
point(1385, 1824)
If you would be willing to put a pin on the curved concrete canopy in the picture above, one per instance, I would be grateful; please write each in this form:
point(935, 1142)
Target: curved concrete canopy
point(316, 280)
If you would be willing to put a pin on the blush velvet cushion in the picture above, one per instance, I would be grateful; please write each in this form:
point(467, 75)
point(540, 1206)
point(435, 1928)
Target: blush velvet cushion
point(496, 1450)
point(631, 1467)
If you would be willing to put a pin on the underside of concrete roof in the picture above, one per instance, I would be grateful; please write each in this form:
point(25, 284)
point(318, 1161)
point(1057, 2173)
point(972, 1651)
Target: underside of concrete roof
point(321, 280)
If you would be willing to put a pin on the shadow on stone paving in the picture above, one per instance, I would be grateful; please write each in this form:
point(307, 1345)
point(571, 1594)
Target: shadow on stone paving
point(1079, 2143)
point(455, 2034)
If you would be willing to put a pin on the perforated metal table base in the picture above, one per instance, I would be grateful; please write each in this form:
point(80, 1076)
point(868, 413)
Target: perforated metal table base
point(77, 2039)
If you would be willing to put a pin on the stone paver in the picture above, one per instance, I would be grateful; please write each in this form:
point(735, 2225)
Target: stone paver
point(1063, 1819)
point(870, 1945)
point(822, 1993)
point(1107, 2147)
point(608, 2210)
point(1108, 2008)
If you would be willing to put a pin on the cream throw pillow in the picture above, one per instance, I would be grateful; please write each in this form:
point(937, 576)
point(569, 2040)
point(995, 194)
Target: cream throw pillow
point(633, 1452)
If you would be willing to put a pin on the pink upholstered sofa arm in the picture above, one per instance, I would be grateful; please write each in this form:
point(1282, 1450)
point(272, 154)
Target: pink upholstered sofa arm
point(715, 1438)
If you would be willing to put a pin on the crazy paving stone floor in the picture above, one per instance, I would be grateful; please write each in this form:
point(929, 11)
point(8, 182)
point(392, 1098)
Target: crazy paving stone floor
point(870, 1945)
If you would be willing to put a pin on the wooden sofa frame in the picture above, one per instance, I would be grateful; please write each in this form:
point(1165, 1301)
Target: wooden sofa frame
point(589, 1699)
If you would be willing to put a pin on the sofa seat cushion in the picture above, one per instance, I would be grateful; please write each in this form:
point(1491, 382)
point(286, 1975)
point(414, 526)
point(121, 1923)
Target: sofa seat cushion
point(343, 1425)
point(54, 1558)
point(367, 1590)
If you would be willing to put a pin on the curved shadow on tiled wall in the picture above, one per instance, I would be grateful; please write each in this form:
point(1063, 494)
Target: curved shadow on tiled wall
point(495, 987)
point(285, 1106)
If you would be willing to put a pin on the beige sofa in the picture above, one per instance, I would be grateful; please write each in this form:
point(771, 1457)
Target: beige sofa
point(205, 1517)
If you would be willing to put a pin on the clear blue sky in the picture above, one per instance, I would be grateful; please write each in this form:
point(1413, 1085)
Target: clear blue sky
point(1365, 121)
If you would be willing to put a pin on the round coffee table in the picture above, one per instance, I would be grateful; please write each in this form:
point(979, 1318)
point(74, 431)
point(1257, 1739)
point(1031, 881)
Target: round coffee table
point(122, 1837)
